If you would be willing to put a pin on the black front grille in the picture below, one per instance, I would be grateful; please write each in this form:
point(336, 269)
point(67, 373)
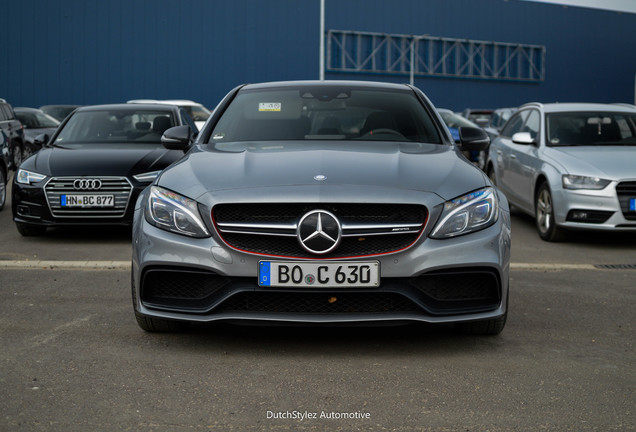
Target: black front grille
point(290, 212)
point(119, 187)
point(368, 229)
point(626, 192)
point(177, 289)
point(349, 247)
point(318, 303)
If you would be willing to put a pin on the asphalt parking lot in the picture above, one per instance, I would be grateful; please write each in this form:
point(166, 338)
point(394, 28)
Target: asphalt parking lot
point(73, 358)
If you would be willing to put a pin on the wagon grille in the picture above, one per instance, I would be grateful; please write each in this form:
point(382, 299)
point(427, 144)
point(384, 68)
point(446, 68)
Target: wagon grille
point(367, 229)
point(626, 191)
point(119, 187)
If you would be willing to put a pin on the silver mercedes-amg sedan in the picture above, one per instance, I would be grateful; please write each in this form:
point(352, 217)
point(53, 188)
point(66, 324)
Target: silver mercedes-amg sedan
point(322, 202)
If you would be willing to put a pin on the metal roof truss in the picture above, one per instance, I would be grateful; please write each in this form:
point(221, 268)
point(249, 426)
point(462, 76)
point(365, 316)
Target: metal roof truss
point(364, 52)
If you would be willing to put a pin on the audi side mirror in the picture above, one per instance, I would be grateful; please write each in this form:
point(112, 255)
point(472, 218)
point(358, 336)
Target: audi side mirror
point(523, 138)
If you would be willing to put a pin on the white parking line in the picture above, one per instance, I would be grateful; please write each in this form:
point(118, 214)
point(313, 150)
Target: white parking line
point(64, 265)
point(125, 266)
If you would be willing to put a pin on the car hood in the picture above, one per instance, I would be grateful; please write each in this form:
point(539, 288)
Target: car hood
point(379, 165)
point(105, 160)
point(610, 162)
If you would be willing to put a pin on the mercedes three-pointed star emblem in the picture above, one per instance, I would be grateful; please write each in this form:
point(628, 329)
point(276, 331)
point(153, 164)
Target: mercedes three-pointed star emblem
point(319, 232)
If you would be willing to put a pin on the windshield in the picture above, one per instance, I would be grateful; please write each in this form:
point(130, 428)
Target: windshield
point(591, 129)
point(197, 112)
point(325, 113)
point(453, 120)
point(36, 120)
point(116, 126)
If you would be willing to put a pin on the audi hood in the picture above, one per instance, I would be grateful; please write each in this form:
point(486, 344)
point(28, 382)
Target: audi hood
point(611, 162)
point(104, 160)
point(377, 165)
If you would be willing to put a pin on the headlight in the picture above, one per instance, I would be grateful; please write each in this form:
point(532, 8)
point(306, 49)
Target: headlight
point(472, 212)
point(582, 182)
point(148, 177)
point(28, 177)
point(172, 212)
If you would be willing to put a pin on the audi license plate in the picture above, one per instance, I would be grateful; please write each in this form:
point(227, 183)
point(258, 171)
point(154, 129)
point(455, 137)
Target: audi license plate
point(632, 204)
point(87, 200)
point(324, 274)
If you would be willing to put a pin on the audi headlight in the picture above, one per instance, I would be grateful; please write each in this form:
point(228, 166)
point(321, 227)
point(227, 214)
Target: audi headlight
point(582, 182)
point(28, 177)
point(469, 213)
point(172, 212)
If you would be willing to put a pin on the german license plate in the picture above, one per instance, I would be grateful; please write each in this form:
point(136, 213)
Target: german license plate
point(323, 274)
point(87, 200)
point(632, 204)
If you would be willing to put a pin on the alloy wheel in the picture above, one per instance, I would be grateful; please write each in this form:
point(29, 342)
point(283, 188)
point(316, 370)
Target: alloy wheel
point(544, 211)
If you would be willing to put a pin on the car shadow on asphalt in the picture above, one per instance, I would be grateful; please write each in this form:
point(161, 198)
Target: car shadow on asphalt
point(325, 340)
point(88, 234)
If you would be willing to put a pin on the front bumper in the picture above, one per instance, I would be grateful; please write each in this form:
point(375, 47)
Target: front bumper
point(435, 281)
point(605, 209)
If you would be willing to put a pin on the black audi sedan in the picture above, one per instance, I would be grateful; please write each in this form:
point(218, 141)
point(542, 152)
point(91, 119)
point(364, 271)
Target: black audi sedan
point(92, 169)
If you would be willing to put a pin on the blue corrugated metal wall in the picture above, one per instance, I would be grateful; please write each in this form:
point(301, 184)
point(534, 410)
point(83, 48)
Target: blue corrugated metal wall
point(86, 52)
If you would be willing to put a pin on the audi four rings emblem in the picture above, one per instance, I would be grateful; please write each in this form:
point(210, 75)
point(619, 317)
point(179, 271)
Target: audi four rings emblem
point(319, 232)
point(87, 184)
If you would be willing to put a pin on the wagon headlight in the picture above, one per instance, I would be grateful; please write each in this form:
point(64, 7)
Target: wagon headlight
point(28, 177)
point(172, 212)
point(582, 182)
point(469, 213)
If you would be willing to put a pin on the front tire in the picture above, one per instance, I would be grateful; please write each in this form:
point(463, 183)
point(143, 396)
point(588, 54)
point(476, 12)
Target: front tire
point(486, 327)
point(16, 155)
point(544, 216)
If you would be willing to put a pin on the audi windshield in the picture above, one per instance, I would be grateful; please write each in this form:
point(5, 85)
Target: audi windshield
point(118, 126)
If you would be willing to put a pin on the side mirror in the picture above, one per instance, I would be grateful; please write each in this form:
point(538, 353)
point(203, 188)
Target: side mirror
point(41, 139)
point(473, 139)
point(523, 138)
point(177, 138)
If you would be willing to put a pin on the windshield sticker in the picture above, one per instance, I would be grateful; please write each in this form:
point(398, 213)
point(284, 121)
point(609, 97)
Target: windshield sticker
point(270, 106)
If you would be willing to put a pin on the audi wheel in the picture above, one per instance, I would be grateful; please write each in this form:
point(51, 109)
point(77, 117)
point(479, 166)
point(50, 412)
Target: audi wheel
point(544, 216)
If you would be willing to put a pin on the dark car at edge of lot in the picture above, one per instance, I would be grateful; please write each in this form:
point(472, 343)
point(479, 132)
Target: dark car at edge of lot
point(322, 202)
point(92, 169)
point(35, 123)
point(13, 133)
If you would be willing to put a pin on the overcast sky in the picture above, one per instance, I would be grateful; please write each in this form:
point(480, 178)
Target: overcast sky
point(617, 5)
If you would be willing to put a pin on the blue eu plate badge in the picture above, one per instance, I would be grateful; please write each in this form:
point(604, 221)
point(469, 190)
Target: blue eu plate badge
point(264, 273)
